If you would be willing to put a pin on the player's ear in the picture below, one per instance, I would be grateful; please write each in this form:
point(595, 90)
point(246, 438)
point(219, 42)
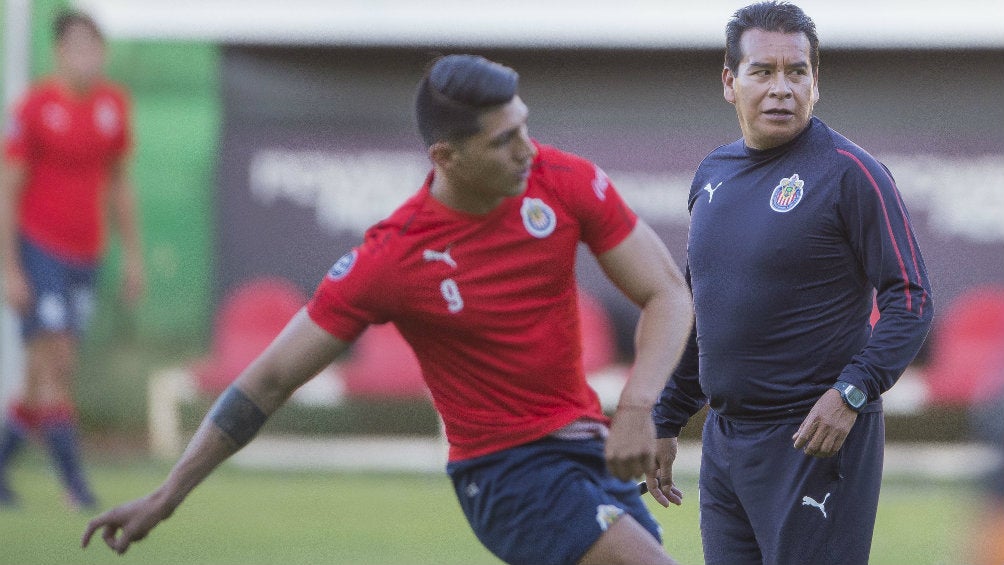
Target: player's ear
point(441, 153)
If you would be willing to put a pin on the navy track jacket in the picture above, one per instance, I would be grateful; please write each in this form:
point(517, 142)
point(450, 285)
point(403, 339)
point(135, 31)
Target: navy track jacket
point(787, 249)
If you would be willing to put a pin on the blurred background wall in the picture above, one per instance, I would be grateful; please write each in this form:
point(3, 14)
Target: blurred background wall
point(318, 143)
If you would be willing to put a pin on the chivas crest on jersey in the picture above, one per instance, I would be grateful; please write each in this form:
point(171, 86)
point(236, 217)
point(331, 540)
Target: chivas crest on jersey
point(538, 217)
point(787, 194)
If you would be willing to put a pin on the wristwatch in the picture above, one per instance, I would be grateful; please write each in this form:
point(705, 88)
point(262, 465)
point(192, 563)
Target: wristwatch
point(852, 395)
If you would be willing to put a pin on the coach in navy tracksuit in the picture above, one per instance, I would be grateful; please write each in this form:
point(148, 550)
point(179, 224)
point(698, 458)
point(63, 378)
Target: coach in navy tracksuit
point(793, 230)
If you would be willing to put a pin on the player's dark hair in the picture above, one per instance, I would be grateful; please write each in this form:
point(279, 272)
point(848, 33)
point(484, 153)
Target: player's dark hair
point(68, 18)
point(456, 91)
point(772, 15)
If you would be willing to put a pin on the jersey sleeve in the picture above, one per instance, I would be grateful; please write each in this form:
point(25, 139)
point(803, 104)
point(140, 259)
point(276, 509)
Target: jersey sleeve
point(881, 234)
point(352, 295)
point(605, 219)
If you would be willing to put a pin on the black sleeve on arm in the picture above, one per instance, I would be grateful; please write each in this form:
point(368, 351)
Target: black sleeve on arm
point(237, 416)
point(682, 397)
point(881, 233)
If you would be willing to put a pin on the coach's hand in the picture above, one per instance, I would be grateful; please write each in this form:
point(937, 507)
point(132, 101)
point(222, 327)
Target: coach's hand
point(127, 523)
point(824, 430)
point(660, 482)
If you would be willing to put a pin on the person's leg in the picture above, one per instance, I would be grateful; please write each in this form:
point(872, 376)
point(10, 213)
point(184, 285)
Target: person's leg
point(44, 277)
point(626, 542)
point(62, 308)
point(16, 426)
point(552, 502)
point(61, 436)
point(726, 532)
point(632, 534)
point(52, 361)
point(814, 511)
point(986, 537)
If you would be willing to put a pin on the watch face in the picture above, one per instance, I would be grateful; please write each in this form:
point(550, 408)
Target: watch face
point(855, 396)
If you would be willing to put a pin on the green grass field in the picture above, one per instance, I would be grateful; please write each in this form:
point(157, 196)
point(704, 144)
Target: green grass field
point(257, 517)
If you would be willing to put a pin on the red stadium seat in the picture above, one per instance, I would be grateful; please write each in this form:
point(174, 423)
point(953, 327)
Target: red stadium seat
point(382, 365)
point(967, 349)
point(248, 319)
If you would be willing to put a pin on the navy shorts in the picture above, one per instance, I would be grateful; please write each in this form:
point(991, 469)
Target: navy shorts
point(545, 502)
point(763, 502)
point(63, 292)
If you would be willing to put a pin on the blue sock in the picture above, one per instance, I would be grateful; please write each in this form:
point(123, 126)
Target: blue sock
point(62, 440)
point(10, 443)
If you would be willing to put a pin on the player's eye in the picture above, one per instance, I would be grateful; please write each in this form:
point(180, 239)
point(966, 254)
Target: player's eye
point(504, 139)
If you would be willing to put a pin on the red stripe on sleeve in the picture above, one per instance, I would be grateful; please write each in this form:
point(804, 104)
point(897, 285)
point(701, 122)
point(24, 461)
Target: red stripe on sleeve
point(888, 224)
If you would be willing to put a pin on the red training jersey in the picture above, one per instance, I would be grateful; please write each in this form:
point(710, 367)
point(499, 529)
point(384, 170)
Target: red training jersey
point(67, 142)
point(487, 302)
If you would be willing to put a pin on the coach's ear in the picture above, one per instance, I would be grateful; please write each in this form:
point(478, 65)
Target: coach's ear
point(728, 85)
point(815, 86)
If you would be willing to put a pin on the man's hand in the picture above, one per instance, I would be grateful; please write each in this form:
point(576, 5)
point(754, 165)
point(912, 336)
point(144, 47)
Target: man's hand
point(133, 281)
point(127, 523)
point(630, 449)
point(660, 482)
point(17, 293)
point(824, 430)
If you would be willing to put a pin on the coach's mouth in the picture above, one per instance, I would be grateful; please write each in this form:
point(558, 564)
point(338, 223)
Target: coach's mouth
point(779, 115)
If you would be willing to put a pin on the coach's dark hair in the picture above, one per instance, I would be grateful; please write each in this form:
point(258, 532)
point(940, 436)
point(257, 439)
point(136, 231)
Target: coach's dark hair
point(456, 91)
point(69, 18)
point(769, 16)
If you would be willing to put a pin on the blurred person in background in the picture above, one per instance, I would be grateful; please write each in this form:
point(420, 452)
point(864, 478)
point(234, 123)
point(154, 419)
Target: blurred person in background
point(477, 272)
point(794, 229)
point(986, 419)
point(65, 178)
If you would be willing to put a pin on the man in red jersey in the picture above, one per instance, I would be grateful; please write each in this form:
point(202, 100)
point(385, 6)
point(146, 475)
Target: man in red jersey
point(476, 270)
point(66, 150)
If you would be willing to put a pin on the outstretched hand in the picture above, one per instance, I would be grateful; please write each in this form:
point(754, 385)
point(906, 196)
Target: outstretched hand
point(126, 524)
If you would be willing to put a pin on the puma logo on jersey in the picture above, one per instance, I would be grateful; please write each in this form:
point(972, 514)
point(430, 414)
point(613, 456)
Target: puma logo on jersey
point(711, 191)
point(809, 501)
point(600, 183)
point(444, 256)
